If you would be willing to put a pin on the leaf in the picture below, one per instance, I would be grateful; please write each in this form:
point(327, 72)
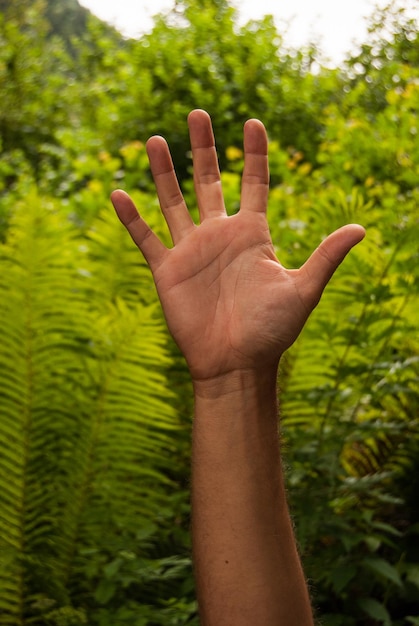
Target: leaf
point(412, 575)
point(105, 591)
point(341, 576)
point(112, 568)
point(376, 610)
point(385, 569)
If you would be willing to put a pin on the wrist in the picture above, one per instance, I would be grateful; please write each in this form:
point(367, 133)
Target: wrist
point(233, 409)
point(237, 382)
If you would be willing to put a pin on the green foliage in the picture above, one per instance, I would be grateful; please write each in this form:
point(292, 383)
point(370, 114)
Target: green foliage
point(87, 432)
point(351, 383)
point(94, 399)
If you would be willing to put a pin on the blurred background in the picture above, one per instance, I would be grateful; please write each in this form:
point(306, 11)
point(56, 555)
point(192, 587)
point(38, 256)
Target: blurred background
point(336, 27)
point(95, 401)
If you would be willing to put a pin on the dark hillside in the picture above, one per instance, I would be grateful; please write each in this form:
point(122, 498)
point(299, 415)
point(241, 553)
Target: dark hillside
point(66, 18)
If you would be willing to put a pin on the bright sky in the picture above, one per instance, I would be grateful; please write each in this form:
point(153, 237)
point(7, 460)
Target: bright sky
point(335, 24)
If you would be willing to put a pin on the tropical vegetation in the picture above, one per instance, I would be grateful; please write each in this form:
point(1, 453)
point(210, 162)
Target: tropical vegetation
point(95, 401)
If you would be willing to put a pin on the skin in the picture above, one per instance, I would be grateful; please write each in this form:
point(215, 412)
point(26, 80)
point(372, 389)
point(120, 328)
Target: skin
point(233, 310)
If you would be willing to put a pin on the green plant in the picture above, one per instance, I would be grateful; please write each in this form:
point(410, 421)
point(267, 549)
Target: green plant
point(87, 433)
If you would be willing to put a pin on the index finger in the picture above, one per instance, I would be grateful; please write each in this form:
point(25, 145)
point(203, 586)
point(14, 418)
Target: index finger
point(255, 180)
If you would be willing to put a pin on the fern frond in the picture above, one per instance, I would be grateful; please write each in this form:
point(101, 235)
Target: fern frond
point(85, 423)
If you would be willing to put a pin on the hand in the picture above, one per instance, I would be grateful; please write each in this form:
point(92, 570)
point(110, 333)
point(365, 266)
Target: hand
point(228, 302)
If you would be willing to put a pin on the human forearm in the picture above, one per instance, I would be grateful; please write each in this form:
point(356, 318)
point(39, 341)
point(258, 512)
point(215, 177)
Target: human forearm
point(246, 563)
point(231, 305)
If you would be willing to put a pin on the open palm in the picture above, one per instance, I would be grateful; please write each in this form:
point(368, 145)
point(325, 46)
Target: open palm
point(228, 302)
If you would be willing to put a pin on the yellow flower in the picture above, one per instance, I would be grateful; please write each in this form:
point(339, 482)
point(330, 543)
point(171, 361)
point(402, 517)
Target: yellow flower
point(104, 156)
point(95, 186)
point(233, 153)
point(130, 150)
point(305, 169)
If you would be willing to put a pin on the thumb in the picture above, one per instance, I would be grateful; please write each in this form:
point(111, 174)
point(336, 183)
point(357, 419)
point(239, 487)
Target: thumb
point(320, 267)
